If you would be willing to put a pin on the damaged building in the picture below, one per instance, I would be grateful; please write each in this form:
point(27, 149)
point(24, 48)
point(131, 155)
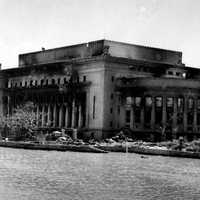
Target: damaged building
point(103, 86)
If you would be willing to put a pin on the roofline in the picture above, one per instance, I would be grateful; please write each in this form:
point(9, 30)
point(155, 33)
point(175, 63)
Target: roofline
point(102, 40)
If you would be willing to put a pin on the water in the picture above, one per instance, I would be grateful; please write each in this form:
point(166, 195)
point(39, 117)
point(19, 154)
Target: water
point(42, 175)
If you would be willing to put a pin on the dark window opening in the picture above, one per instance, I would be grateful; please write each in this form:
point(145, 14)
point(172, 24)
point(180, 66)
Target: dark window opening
point(111, 96)
point(47, 82)
point(137, 115)
point(84, 78)
point(118, 109)
point(15, 84)
point(111, 110)
point(198, 104)
point(170, 73)
point(180, 118)
point(20, 84)
point(198, 119)
point(190, 118)
point(36, 83)
point(147, 116)
point(128, 117)
point(42, 82)
point(25, 83)
point(111, 123)
point(53, 81)
point(112, 78)
point(58, 81)
point(158, 116)
point(31, 83)
point(94, 102)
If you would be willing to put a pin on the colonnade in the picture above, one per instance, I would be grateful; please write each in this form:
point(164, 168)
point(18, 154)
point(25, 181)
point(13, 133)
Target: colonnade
point(189, 111)
point(60, 115)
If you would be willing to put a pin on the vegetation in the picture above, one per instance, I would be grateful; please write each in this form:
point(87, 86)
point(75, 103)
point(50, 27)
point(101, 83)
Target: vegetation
point(21, 123)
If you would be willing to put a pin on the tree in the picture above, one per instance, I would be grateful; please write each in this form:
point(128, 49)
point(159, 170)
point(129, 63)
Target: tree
point(20, 123)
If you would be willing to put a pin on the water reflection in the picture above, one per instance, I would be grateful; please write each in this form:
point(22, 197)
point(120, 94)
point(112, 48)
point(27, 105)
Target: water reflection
point(27, 174)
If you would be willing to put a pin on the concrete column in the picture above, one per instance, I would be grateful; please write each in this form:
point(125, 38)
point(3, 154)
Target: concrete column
point(66, 117)
point(175, 127)
point(73, 114)
point(49, 115)
point(153, 113)
point(8, 106)
point(80, 116)
point(132, 118)
point(195, 115)
point(43, 115)
point(61, 116)
point(142, 113)
point(185, 113)
point(87, 110)
point(164, 111)
point(54, 115)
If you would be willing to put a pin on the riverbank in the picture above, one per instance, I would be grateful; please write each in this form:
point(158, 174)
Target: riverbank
point(161, 149)
point(52, 147)
point(149, 150)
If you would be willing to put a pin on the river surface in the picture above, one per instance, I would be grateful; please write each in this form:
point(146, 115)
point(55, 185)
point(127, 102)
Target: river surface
point(42, 175)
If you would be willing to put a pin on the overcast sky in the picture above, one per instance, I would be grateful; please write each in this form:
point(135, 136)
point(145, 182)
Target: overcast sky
point(28, 25)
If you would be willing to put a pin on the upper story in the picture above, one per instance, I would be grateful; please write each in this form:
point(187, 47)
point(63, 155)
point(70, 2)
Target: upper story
point(54, 66)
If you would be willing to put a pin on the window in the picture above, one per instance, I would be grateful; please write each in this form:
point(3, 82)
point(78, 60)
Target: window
point(111, 110)
point(42, 82)
point(35, 82)
point(53, 81)
point(58, 81)
point(31, 83)
point(84, 78)
point(178, 73)
point(47, 82)
point(20, 84)
point(128, 116)
point(198, 103)
point(111, 123)
point(170, 73)
point(111, 96)
point(118, 110)
point(25, 84)
point(112, 78)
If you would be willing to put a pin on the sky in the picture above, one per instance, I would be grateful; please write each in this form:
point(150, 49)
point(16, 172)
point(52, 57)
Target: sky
point(29, 25)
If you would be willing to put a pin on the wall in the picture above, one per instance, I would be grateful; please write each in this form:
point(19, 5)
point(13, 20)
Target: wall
point(143, 53)
point(62, 53)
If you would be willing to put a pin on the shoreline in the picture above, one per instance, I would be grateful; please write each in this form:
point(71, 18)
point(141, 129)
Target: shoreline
point(103, 148)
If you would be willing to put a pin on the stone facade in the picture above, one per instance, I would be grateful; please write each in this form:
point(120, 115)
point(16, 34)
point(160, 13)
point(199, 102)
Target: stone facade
point(103, 86)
